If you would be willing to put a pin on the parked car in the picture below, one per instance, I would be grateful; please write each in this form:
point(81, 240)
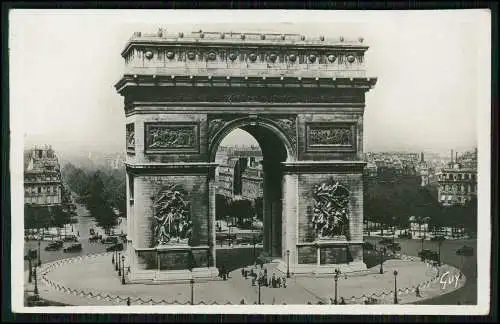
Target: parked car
point(428, 255)
point(115, 247)
point(76, 247)
point(110, 240)
point(386, 241)
point(465, 251)
point(70, 238)
point(368, 246)
point(438, 238)
point(394, 246)
point(405, 235)
point(54, 246)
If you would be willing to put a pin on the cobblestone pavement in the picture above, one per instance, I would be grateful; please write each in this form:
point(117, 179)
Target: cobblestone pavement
point(92, 280)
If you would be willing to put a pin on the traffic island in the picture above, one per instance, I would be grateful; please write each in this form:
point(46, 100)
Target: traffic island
point(93, 280)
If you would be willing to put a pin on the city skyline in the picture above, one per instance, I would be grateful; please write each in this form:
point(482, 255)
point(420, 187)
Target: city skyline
point(410, 119)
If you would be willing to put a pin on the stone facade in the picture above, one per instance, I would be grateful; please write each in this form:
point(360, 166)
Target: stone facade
point(302, 99)
point(42, 177)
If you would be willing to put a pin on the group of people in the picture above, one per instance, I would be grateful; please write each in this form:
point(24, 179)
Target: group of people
point(260, 276)
point(223, 273)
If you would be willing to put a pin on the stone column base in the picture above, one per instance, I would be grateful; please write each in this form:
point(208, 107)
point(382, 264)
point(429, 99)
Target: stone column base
point(173, 276)
point(313, 269)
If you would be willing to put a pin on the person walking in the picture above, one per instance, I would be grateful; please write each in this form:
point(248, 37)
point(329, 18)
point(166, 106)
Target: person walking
point(273, 281)
point(284, 282)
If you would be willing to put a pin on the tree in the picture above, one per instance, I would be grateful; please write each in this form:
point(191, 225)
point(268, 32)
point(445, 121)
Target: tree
point(259, 208)
point(242, 210)
point(222, 206)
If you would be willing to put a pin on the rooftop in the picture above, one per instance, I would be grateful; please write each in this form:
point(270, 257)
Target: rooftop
point(244, 38)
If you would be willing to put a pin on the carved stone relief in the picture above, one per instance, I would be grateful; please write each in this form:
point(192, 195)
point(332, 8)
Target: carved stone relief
point(164, 136)
point(171, 216)
point(331, 211)
point(216, 124)
point(331, 136)
point(130, 137)
point(289, 126)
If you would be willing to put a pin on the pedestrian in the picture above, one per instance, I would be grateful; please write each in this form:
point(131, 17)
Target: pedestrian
point(342, 301)
point(242, 272)
point(417, 292)
point(284, 282)
point(242, 302)
point(128, 301)
point(278, 282)
point(273, 281)
point(269, 283)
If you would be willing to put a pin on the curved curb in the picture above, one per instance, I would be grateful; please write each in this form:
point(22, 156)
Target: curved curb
point(45, 268)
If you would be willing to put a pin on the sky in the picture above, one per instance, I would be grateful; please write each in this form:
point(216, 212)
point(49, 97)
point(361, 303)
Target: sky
point(64, 64)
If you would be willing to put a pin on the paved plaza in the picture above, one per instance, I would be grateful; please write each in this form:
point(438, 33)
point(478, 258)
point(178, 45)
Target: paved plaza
point(92, 280)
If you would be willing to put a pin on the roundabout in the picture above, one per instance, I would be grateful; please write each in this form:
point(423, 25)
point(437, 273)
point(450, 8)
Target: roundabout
point(93, 280)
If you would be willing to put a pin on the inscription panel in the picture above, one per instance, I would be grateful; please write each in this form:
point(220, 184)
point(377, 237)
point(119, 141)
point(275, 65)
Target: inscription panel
point(172, 138)
point(328, 137)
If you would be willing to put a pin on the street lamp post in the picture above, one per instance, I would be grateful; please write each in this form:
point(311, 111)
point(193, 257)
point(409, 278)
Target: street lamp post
point(30, 268)
point(395, 287)
point(123, 269)
point(336, 278)
point(36, 284)
point(118, 268)
point(254, 243)
point(192, 291)
point(393, 229)
point(382, 253)
point(422, 248)
point(440, 242)
point(288, 263)
point(259, 284)
point(39, 261)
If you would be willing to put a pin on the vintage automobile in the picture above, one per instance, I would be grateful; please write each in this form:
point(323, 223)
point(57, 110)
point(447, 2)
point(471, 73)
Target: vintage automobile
point(367, 246)
point(465, 251)
point(54, 246)
point(70, 238)
point(427, 254)
point(76, 247)
point(109, 240)
point(394, 246)
point(438, 238)
point(115, 247)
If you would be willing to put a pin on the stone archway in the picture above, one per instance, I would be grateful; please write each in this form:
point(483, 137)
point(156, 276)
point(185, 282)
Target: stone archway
point(277, 148)
point(303, 100)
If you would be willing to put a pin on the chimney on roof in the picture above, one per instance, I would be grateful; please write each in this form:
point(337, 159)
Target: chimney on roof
point(451, 156)
point(456, 156)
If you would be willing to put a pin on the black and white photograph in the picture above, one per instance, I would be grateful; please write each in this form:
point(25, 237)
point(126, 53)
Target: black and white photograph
point(260, 161)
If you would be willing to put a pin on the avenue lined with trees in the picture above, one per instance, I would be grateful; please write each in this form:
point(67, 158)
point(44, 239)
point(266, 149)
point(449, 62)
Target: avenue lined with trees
point(101, 190)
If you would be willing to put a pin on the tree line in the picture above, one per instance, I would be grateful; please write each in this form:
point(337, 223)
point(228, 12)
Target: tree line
point(102, 190)
point(240, 209)
point(391, 200)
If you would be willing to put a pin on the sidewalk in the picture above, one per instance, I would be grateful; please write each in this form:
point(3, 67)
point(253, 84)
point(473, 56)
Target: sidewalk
point(92, 280)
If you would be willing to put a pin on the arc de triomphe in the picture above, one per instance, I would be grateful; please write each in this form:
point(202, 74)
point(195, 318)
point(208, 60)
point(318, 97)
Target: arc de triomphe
point(302, 99)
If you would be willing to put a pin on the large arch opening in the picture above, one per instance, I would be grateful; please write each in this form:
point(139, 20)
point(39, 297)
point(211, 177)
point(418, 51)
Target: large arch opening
point(262, 174)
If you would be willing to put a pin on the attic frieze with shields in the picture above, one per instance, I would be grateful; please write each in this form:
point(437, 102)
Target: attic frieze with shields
point(210, 57)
